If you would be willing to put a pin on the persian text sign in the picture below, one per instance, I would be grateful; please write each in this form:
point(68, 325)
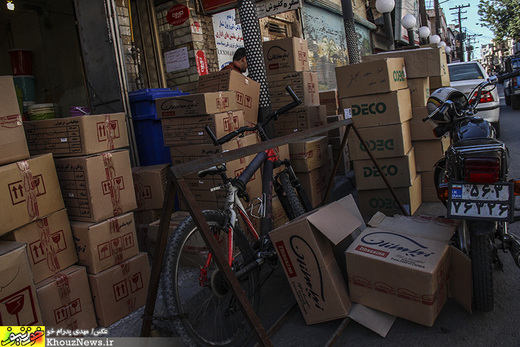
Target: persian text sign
point(177, 59)
point(228, 36)
point(271, 7)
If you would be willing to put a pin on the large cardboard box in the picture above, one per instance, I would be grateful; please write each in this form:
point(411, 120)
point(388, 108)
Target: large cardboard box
point(429, 190)
point(427, 153)
point(13, 146)
point(399, 171)
point(303, 83)
point(329, 98)
point(247, 91)
point(28, 189)
point(383, 142)
point(98, 186)
point(381, 200)
point(379, 109)
point(120, 290)
point(105, 244)
point(379, 76)
point(74, 136)
point(18, 301)
point(306, 249)
point(184, 131)
point(153, 230)
point(419, 91)
point(66, 301)
point(308, 154)
point(150, 186)
point(300, 118)
point(440, 81)
point(409, 281)
point(50, 245)
point(315, 183)
point(286, 55)
point(196, 104)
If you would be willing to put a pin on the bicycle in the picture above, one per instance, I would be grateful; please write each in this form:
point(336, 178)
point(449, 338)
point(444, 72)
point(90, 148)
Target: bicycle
point(196, 294)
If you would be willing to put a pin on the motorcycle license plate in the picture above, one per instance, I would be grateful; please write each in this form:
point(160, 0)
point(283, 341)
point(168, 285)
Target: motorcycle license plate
point(481, 201)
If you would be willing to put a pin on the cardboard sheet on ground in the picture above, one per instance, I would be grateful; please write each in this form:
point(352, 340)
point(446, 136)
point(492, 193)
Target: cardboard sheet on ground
point(377, 321)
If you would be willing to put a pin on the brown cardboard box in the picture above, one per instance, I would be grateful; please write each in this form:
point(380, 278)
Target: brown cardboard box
point(300, 118)
point(383, 142)
point(18, 301)
point(66, 301)
point(379, 109)
point(374, 77)
point(247, 90)
point(286, 55)
point(339, 132)
point(315, 183)
point(28, 189)
point(153, 230)
point(419, 113)
point(399, 171)
point(306, 248)
point(184, 131)
point(427, 153)
point(381, 200)
point(405, 281)
point(196, 104)
point(105, 244)
point(13, 146)
point(278, 215)
point(50, 245)
point(419, 91)
point(429, 190)
point(147, 216)
point(303, 83)
point(120, 290)
point(308, 154)
point(74, 136)
point(329, 98)
point(150, 186)
point(420, 130)
point(98, 186)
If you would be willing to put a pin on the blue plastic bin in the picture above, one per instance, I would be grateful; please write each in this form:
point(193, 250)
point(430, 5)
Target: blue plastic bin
point(147, 128)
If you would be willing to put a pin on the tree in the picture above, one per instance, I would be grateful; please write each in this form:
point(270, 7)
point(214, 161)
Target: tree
point(502, 17)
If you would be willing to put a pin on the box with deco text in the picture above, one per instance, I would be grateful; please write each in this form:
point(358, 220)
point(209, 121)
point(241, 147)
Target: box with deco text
point(308, 154)
point(196, 104)
point(150, 186)
point(419, 91)
point(286, 55)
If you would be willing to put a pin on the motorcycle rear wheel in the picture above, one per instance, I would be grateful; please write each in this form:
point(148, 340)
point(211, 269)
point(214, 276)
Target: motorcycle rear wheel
point(481, 253)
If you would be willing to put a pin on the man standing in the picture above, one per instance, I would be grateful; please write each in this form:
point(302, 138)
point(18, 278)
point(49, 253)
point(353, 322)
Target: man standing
point(239, 63)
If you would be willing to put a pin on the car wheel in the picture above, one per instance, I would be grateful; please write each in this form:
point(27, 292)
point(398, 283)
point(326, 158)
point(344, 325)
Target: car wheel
point(515, 102)
point(496, 125)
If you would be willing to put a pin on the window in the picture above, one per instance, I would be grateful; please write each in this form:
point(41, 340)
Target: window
point(461, 72)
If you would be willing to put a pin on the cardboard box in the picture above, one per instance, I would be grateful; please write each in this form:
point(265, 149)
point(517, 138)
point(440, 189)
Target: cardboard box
point(196, 104)
point(419, 91)
point(153, 231)
point(13, 146)
point(329, 98)
point(66, 301)
point(399, 171)
point(420, 130)
point(427, 153)
point(28, 189)
point(381, 200)
point(407, 281)
point(120, 290)
point(315, 183)
point(339, 132)
point(150, 186)
point(147, 216)
point(300, 118)
point(105, 244)
point(184, 131)
point(379, 109)
point(18, 301)
point(50, 245)
point(440, 81)
point(374, 77)
point(428, 188)
point(308, 154)
point(247, 91)
point(286, 55)
point(422, 62)
point(98, 186)
point(383, 142)
point(306, 249)
point(72, 136)
point(303, 83)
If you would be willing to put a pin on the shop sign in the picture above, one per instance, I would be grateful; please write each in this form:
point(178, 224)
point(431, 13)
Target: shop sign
point(266, 8)
point(202, 63)
point(214, 6)
point(178, 14)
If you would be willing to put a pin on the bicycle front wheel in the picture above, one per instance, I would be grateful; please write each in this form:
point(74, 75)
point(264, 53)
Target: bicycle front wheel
point(205, 310)
point(291, 196)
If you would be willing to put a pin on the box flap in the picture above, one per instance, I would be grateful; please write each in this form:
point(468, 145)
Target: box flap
point(460, 284)
point(9, 246)
point(377, 321)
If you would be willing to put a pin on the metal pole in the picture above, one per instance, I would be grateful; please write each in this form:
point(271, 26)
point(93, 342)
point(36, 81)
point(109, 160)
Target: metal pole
point(389, 31)
point(422, 13)
point(350, 32)
point(411, 38)
point(437, 18)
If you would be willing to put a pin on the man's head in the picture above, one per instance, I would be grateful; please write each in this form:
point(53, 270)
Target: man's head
point(239, 58)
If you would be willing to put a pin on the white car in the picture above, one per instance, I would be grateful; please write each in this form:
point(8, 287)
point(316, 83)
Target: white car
point(465, 76)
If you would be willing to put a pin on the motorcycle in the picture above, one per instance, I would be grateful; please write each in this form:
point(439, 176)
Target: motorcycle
point(471, 181)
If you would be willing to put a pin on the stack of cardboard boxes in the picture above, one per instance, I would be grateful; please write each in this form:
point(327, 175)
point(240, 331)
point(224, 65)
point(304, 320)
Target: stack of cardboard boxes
point(377, 97)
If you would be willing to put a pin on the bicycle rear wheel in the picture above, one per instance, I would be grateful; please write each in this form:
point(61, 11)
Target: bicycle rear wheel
point(205, 309)
point(290, 196)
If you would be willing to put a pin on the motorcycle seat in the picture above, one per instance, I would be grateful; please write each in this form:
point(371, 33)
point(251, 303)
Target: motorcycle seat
point(477, 141)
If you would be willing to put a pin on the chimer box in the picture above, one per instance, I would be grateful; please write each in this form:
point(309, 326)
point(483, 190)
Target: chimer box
point(74, 136)
point(13, 146)
point(102, 245)
point(196, 104)
point(308, 154)
point(98, 186)
point(380, 76)
point(28, 189)
point(286, 55)
point(247, 90)
point(66, 301)
point(120, 289)
point(18, 301)
point(306, 248)
point(150, 186)
point(50, 245)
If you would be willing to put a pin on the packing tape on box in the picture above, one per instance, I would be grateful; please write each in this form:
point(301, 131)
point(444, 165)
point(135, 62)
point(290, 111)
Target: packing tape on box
point(114, 183)
point(222, 102)
point(69, 307)
point(29, 186)
point(139, 191)
point(63, 284)
point(110, 128)
point(46, 245)
point(12, 121)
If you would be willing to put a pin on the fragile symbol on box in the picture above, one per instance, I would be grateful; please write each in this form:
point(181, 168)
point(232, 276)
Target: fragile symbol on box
point(112, 132)
point(64, 312)
point(231, 123)
point(109, 248)
point(39, 254)
point(107, 185)
point(20, 304)
point(17, 190)
point(129, 285)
